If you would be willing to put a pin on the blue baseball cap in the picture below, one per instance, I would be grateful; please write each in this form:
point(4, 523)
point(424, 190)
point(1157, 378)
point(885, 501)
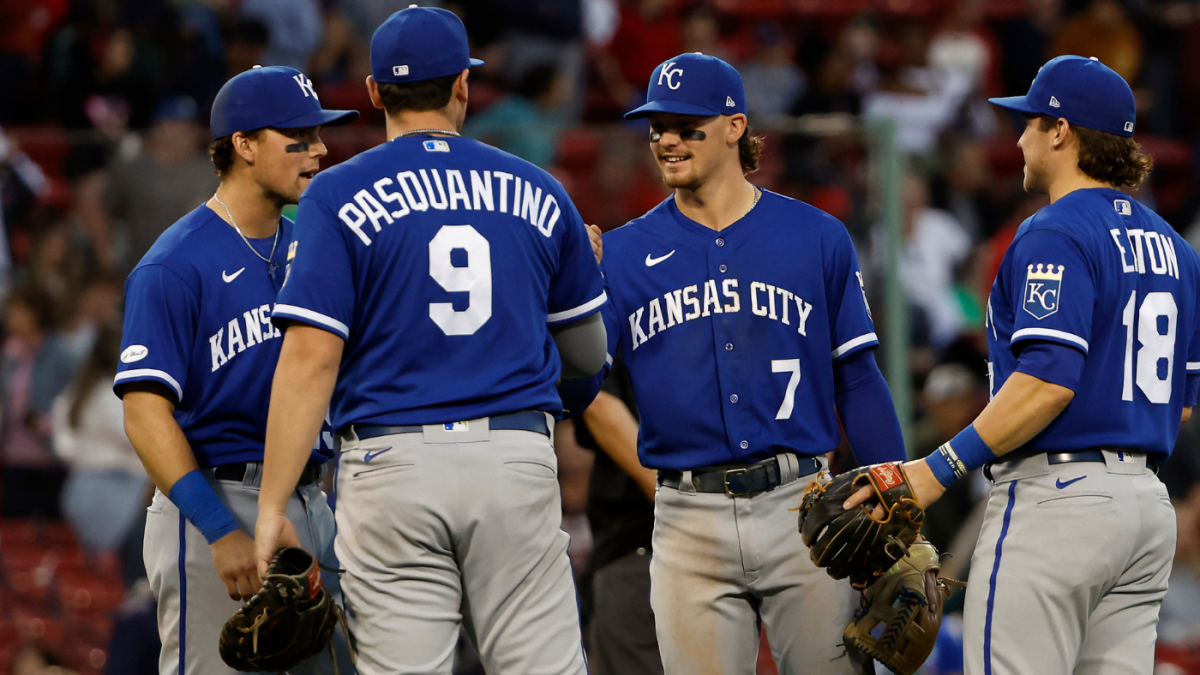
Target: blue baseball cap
point(275, 96)
point(693, 84)
point(420, 43)
point(1082, 91)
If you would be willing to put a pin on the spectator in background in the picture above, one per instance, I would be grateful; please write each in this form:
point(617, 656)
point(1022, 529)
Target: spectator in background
point(1179, 619)
point(105, 495)
point(245, 46)
point(97, 303)
point(773, 81)
point(935, 246)
point(154, 189)
point(296, 29)
point(922, 101)
point(700, 31)
point(527, 122)
point(36, 367)
point(21, 182)
point(648, 33)
point(1103, 31)
point(56, 267)
point(1025, 42)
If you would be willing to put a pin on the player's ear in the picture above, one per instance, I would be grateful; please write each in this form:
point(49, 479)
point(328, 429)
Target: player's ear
point(737, 127)
point(459, 91)
point(1062, 126)
point(373, 93)
point(244, 146)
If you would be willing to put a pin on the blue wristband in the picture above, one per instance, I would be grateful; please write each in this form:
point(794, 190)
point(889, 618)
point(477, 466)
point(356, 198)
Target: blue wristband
point(199, 504)
point(963, 454)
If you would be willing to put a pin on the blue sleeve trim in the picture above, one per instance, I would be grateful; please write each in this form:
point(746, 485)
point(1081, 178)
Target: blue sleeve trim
point(311, 318)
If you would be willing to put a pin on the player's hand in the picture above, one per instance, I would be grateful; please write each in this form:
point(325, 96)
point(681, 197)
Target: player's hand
point(925, 488)
point(233, 556)
point(272, 532)
point(597, 242)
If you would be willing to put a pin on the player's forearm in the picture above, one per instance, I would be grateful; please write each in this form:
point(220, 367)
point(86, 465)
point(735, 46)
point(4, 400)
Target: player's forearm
point(1022, 408)
point(160, 444)
point(616, 431)
point(300, 393)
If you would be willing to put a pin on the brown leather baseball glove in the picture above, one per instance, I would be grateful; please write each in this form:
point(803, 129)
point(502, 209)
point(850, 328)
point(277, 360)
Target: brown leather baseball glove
point(908, 600)
point(289, 619)
point(856, 543)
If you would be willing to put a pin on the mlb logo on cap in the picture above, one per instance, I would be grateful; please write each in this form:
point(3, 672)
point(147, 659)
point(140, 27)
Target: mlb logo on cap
point(420, 43)
point(693, 84)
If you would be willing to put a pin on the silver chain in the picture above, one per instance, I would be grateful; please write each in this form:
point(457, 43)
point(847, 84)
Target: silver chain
point(270, 259)
point(414, 132)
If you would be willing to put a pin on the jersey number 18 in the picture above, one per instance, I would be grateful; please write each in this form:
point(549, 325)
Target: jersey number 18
point(1155, 347)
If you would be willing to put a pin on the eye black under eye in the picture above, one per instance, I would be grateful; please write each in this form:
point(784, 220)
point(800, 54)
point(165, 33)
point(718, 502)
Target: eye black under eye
point(693, 135)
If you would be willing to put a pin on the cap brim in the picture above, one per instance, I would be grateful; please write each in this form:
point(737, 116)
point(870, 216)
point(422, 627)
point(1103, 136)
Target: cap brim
point(476, 62)
point(668, 106)
point(320, 118)
point(1017, 103)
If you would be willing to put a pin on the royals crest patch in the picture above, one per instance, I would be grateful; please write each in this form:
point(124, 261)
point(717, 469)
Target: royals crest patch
point(1043, 287)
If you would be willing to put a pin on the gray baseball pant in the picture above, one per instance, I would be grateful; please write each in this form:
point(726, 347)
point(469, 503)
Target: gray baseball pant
point(193, 604)
point(1070, 569)
point(724, 566)
point(447, 528)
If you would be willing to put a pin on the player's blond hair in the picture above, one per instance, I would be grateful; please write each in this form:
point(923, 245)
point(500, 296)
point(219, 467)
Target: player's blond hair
point(750, 149)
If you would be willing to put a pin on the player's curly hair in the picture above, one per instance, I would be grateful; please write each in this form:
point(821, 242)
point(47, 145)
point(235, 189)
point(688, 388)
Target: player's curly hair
point(1106, 157)
point(750, 149)
point(221, 152)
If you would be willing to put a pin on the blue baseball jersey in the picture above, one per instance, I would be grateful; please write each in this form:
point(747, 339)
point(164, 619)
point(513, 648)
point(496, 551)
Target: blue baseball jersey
point(1101, 273)
point(730, 337)
point(198, 320)
point(442, 262)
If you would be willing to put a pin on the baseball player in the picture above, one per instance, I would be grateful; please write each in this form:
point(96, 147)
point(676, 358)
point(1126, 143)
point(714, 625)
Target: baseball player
point(1092, 330)
point(197, 354)
point(746, 334)
point(437, 282)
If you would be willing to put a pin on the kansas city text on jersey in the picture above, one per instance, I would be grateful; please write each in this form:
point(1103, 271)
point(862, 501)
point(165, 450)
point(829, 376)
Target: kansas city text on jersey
point(497, 191)
point(766, 300)
point(230, 341)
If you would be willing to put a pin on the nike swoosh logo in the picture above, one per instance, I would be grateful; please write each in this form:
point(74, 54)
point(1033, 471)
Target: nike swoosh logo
point(372, 455)
point(230, 277)
point(651, 262)
point(1060, 484)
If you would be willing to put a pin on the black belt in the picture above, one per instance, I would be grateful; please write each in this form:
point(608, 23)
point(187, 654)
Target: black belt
point(237, 472)
point(1066, 458)
point(740, 481)
point(526, 420)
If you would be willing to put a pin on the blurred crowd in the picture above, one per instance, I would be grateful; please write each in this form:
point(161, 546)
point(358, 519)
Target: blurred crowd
point(103, 129)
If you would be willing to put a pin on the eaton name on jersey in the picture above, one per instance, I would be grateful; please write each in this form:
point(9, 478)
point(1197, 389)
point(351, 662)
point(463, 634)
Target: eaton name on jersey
point(763, 303)
point(497, 191)
point(230, 341)
point(1146, 245)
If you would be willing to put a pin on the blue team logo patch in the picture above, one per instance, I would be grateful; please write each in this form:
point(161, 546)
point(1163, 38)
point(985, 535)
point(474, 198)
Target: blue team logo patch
point(436, 146)
point(1043, 284)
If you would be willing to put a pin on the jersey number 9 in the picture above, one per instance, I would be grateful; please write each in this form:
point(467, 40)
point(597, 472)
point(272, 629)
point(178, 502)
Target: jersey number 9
point(475, 279)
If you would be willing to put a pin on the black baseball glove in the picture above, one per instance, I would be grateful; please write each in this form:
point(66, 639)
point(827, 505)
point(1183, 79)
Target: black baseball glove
point(289, 619)
point(855, 543)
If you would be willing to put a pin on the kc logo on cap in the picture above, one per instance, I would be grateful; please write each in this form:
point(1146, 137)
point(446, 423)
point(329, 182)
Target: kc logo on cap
point(669, 72)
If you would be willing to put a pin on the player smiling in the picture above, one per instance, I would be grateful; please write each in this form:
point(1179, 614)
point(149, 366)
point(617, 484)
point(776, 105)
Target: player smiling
point(746, 334)
point(1093, 337)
